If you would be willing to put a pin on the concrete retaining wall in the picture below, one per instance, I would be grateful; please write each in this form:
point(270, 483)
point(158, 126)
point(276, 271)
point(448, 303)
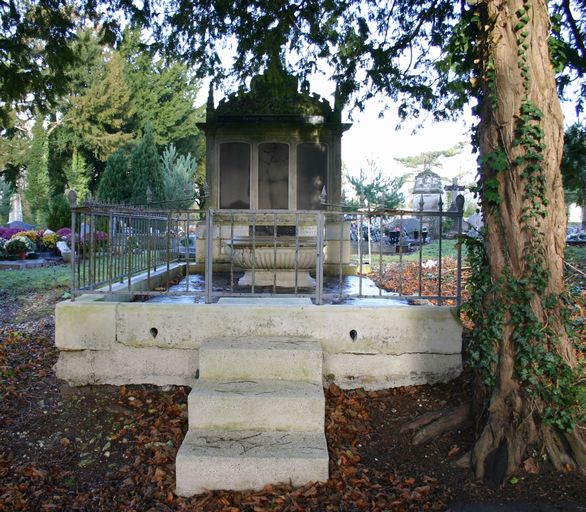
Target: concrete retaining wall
point(370, 345)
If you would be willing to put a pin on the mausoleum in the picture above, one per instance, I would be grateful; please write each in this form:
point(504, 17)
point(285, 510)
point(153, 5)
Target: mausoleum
point(273, 147)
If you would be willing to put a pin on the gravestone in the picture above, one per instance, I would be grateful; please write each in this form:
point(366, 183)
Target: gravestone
point(427, 191)
point(427, 196)
point(453, 190)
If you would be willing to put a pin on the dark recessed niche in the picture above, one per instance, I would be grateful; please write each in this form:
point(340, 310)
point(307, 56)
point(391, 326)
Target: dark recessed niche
point(154, 331)
point(353, 334)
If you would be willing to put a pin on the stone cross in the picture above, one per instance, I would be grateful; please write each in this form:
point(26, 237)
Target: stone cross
point(453, 189)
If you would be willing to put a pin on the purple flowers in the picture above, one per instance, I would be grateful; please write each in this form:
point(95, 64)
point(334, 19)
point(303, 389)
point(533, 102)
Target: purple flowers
point(8, 233)
point(64, 232)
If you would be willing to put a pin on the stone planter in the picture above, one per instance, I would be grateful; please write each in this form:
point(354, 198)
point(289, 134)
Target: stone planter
point(283, 262)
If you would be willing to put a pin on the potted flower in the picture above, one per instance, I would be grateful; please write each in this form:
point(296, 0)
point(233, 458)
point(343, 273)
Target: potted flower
point(50, 241)
point(19, 246)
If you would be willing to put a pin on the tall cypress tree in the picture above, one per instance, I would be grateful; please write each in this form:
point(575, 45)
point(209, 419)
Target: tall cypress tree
point(5, 192)
point(38, 191)
point(115, 184)
point(99, 119)
point(145, 170)
point(78, 175)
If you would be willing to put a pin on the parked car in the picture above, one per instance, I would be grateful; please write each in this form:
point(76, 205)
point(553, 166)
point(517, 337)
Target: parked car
point(576, 239)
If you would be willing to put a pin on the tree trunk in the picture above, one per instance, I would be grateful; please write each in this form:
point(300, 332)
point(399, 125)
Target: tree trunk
point(522, 250)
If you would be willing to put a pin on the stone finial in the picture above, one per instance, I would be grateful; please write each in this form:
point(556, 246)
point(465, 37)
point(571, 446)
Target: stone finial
point(72, 196)
point(323, 197)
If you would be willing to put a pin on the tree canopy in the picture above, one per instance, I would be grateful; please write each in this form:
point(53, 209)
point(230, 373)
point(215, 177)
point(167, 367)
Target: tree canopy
point(374, 190)
point(419, 53)
point(574, 166)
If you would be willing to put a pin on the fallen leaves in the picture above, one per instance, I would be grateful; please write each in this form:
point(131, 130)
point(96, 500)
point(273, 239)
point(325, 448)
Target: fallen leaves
point(405, 279)
point(128, 437)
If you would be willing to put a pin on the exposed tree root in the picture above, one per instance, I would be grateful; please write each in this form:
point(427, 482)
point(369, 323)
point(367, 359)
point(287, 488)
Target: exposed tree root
point(577, 443)
point(434, 423)
point(500, 452)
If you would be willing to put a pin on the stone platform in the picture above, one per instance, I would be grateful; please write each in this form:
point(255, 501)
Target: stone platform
point(371, 343)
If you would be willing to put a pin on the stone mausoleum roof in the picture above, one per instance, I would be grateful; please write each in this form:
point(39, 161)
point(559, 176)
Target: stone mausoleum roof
point(274, 96)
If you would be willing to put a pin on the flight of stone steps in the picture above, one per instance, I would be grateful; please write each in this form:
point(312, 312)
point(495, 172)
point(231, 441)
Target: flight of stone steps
point(256, 416)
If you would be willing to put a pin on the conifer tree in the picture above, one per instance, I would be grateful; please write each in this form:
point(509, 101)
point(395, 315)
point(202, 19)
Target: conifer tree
point(115, 183)
point(37, 190)
point(78, 175)
point(178, 175)
point(59, 215)
point(100, 118)
point(5, 192)
point(163, 94)
point(145, 170)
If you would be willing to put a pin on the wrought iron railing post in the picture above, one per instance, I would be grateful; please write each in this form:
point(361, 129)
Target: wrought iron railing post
point(110, 249)
point(439, 263)
point(169, 228)
point(359, 236)
point(209, 256)
point(73, 206)
point(319, 273)
point(232, 253)
point(92, 248)
point(419, 239)
point(460, 205)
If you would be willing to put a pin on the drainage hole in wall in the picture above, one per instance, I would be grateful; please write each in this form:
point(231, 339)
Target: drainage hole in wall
point(154, 331)
point(353, 334)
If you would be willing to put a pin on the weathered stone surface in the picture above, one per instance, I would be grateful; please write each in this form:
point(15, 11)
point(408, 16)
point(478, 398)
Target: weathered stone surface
point(249, 460)
point(385, 329)
point(381, 371)
point(85, 324)
point(124, 365)
point(258, 358)
point(256, 405)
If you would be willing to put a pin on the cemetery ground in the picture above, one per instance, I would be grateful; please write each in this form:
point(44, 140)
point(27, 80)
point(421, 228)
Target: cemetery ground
point(107, 448)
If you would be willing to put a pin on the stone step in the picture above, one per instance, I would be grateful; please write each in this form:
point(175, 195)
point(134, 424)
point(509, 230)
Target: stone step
point(269, 358)
point(256, 405)
point(242, 460)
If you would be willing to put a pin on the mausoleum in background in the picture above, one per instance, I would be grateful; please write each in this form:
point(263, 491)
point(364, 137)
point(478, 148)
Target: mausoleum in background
point(274, 147)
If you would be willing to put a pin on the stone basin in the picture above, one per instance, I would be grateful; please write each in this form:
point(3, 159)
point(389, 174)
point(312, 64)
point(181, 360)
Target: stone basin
point(284, 261)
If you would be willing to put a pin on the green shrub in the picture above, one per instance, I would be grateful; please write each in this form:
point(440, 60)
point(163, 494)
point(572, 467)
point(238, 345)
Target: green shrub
point(18, 245)
point(59, 213)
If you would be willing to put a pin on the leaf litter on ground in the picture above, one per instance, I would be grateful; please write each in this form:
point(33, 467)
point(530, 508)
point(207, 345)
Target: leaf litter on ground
point(113, 448)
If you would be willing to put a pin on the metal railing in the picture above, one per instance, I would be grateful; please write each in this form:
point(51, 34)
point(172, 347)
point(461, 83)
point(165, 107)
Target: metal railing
point(142, 252)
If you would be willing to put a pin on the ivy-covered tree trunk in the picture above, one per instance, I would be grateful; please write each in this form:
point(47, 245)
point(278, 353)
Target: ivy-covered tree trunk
point(528, 378)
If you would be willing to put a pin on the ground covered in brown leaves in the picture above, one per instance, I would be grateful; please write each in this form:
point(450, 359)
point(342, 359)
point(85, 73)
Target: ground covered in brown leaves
point(106, 448)
point(407, 279)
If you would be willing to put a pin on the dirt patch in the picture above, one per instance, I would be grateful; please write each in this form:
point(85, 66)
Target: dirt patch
point(113, 448)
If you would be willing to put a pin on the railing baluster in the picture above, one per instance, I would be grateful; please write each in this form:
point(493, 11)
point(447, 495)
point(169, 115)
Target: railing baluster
point(319, 283)
point(439, 268)
point(209, 255)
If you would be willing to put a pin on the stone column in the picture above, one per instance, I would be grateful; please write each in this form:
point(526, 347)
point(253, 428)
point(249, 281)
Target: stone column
point(15, 208)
